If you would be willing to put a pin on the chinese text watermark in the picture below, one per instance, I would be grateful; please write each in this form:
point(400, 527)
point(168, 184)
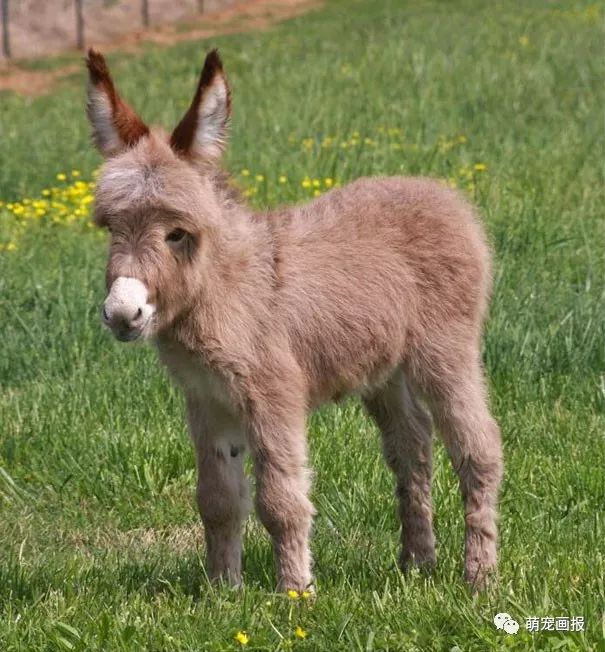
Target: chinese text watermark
point(540, 624)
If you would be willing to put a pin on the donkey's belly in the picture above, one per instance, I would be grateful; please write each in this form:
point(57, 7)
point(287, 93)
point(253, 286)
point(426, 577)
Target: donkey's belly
point(333, 379)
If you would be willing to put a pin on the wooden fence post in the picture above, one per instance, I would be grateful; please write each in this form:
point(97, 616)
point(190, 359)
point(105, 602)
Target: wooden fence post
point(6, 44)
point(79, 25)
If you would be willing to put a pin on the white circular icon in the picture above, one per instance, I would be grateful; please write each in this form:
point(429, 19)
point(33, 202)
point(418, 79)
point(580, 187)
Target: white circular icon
point(506, 622)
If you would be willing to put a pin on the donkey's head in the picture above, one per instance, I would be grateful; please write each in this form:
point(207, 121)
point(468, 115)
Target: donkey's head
point(157, 196)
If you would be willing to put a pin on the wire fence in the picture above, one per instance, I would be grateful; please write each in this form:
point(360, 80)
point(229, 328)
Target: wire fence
point(78, 9)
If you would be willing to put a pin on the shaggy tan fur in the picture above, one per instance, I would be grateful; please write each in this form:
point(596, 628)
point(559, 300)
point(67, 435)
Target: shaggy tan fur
point(379, 288)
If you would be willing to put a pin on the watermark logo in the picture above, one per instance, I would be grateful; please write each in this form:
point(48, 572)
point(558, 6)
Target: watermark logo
point(506, 622)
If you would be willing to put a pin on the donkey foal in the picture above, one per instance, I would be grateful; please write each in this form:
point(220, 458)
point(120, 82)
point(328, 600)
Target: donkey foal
point(378, 288)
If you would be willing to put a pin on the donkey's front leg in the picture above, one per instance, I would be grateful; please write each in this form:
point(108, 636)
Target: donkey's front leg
point(278, 446)
point(222, 488)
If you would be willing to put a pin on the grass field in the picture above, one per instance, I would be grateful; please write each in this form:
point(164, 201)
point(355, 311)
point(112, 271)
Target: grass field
point(100, 546)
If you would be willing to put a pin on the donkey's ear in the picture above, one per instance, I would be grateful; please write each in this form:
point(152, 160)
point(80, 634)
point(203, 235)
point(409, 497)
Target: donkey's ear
point(115, 126)
point(202, 133)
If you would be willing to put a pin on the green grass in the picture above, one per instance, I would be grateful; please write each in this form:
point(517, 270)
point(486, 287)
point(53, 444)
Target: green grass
point(100, 546)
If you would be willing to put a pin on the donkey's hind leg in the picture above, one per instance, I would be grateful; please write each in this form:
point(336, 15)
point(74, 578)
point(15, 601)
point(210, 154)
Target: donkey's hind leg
point(406, 429)
point(457, 394)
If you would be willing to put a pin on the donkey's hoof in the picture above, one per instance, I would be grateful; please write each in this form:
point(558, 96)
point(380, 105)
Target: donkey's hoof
point(424, 561)
point(297, 590)
point(480, 578)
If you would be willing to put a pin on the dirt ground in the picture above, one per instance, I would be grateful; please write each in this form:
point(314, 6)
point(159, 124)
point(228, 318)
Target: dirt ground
point(46, 28)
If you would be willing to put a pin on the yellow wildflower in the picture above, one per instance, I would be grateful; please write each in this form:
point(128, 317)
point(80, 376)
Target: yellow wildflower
point(306, 182)
point(316, 192)
point(259, 177)
point(306, 594)
point(245, 172)
point(293, 594)
point(328, 182)
point(524, 41)
point(242, 638)
point(591, 14)
point(480, 167)
point(283, 178)
point(300, 632)
point(61, 176)
point(75, 173)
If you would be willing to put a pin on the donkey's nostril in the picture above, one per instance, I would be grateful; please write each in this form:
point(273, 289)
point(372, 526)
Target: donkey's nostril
point(105, 315)
point(139, 313)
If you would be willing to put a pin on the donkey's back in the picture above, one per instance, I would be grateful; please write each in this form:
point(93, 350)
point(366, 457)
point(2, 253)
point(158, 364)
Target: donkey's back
point(369, 276)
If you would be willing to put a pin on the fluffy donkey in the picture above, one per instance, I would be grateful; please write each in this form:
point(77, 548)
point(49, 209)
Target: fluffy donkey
point(378, 288)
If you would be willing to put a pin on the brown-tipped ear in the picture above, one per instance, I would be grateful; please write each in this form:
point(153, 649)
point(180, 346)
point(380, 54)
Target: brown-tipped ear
point(202, 133)
point(115, 126)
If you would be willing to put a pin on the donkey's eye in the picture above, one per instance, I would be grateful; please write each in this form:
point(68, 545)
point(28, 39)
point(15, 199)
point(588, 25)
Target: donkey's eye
point(176, 236)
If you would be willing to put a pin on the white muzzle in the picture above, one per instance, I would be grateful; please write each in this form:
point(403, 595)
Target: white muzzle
point(126, 310)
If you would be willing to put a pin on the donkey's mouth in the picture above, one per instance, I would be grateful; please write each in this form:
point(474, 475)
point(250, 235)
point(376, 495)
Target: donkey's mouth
point(140, 332)
point(129, 336)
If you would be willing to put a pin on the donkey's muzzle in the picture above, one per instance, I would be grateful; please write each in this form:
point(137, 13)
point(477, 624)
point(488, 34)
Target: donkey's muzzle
point(126, 310)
